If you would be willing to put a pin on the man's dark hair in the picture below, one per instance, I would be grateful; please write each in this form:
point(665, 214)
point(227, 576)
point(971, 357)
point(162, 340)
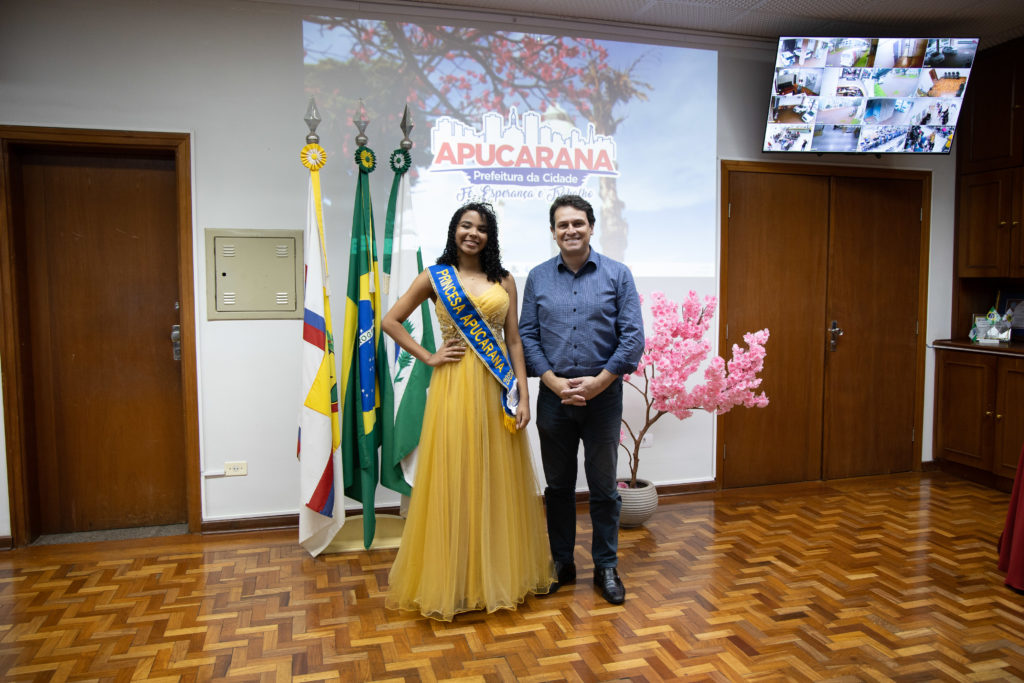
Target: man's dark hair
point(490, 257)
point(575, 201)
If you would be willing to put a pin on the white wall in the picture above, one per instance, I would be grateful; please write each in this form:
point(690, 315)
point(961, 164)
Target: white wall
point(229, 72)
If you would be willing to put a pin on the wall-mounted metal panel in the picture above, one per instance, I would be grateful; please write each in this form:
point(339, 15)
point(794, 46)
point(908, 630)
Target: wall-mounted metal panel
point(253, 274)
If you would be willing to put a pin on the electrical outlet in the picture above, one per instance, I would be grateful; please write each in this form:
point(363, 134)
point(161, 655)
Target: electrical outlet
point(239, 468)
point(647, 441)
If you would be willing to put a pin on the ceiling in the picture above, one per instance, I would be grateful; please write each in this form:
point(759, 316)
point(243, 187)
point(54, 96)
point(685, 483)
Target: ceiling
point(993, 21)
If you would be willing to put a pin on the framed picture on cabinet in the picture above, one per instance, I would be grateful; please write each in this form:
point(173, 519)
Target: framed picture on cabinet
point(1016, 306)
point(979, 329)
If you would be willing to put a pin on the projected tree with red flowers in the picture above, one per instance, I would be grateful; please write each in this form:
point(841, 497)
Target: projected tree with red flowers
point(465, 72)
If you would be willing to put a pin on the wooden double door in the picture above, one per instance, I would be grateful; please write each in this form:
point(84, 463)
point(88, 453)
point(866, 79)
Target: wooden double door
point(830, 260)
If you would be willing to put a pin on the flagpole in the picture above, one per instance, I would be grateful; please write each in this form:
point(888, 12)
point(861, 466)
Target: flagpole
point(321, 511)
point(410, 377)
point(365, 372)
point(405, 162)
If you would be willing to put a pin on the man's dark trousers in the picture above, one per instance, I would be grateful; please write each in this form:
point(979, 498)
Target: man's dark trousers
point(561, 428)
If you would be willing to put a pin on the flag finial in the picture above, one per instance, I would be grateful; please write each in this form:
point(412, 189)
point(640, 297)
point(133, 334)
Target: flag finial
point(312, 120)
point(406, 127)
point(361, 124)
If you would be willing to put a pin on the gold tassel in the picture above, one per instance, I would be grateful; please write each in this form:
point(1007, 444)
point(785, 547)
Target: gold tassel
point(510, 422)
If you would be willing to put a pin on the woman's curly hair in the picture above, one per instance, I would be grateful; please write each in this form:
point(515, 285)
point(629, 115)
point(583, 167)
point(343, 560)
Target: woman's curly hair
point(490, 257)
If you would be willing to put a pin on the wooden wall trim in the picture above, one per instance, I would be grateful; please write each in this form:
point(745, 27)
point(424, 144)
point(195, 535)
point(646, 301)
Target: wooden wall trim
point(11, 358)
point(981, 477)
point(85, 137)
point(13, 392)
point(270, 522)
point(922, 316)
point(189, 373)
point(821, 170)
point(225, 526)
point(672, 490)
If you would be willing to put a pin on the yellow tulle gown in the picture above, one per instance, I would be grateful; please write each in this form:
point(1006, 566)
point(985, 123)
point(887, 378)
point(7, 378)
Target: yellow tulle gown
point(475, 537)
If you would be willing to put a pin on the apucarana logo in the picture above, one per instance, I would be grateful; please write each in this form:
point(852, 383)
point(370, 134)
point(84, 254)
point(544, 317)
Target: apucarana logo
point(527, 151)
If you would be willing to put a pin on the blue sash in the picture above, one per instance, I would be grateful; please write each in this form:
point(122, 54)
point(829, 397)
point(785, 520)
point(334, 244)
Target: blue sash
point(478, 336)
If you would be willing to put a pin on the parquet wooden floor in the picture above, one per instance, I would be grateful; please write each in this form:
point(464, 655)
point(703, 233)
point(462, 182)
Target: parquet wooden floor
point(886, 578)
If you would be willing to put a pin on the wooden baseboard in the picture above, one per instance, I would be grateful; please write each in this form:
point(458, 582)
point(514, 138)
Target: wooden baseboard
point(227, 526)
point(977, 476)
point(669, 490)
point(930, 466)
point(273, 522)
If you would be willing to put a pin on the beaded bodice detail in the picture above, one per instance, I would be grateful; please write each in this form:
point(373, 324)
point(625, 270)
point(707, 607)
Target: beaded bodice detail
point(492, 304)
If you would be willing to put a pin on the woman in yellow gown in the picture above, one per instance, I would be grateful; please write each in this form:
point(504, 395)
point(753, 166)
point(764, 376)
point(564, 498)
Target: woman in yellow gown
point(475, 537)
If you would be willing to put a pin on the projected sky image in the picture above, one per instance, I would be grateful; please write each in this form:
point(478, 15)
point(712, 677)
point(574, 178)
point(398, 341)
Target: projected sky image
point(516, 119)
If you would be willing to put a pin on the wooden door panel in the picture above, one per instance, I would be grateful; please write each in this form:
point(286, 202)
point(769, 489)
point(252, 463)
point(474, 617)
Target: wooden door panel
point(776, 254)
point(964, 399)
point(1009, 417)
point(986, 204)
point(873, 276)
point(1015, 238)
point(100, 234)
point(993, 132)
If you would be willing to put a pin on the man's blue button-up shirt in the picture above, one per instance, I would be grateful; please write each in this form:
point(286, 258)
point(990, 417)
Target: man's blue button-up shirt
point(577, 324)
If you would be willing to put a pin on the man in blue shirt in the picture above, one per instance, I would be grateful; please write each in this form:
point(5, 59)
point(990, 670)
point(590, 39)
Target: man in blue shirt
point(582, 329)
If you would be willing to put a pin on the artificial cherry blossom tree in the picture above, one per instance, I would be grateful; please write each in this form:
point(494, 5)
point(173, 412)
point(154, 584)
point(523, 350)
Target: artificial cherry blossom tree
point(676, 348)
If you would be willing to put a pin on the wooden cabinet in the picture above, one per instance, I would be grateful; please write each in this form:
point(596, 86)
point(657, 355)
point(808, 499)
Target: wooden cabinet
point(990, 132)
point(979, 390)
point(988, 263)
point(989, 225)
point(979, 417)
point(1009, 416)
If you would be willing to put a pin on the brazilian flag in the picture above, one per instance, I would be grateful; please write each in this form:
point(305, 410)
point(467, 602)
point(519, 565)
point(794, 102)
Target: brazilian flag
point(364, 368)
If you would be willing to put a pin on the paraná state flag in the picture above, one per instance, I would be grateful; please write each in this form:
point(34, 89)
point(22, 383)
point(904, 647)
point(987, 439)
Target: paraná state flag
point(403, 261)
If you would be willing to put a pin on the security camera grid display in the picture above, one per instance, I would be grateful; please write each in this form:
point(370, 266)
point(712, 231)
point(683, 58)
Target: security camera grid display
point(868, 95)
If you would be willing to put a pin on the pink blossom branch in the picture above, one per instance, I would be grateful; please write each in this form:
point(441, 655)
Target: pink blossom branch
point(674, 351)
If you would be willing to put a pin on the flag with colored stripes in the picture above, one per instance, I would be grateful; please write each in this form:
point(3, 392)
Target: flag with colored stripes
point(322, 511)
point(403, 261)
point(364, 370)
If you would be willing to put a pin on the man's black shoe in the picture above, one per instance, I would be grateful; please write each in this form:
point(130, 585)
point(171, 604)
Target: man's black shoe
point(607, 581)
point(566, 574)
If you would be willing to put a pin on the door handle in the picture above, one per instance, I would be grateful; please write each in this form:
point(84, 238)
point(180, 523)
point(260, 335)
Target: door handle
point(176, 341)
point(835, 332)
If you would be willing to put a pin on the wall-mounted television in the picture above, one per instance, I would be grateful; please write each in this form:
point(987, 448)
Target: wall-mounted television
point(868, 95)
